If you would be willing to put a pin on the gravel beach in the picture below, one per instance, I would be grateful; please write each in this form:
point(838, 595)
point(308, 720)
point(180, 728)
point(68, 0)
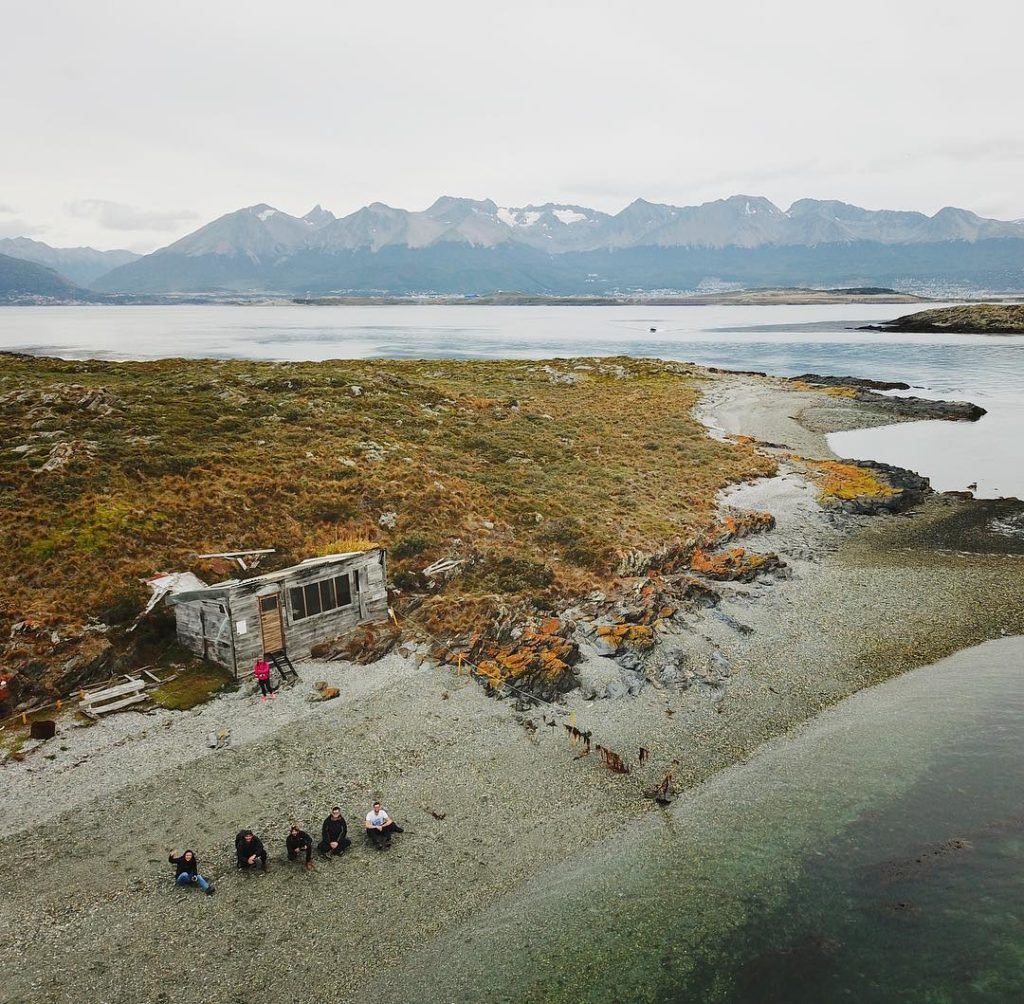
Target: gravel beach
point(490, 793)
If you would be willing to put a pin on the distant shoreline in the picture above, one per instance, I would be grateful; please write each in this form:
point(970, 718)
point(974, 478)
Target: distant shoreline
point(785, 296)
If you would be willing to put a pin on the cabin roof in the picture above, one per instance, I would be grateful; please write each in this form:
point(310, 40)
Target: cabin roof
point(225, 588)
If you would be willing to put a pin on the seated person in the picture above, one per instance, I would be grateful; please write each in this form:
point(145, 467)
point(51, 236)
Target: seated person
point(250, 849)
point(380, 826)
point(299, 840)
point(334, 834)
point(186, 871)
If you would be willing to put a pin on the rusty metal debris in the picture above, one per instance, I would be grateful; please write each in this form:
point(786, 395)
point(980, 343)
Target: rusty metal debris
point(579, 738)
point(612, 760)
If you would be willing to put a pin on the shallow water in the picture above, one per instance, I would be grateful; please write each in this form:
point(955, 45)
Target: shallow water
point(876, 856)
point(785, 340)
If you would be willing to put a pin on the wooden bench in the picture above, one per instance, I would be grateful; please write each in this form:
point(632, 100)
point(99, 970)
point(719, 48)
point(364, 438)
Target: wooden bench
point(124, 694)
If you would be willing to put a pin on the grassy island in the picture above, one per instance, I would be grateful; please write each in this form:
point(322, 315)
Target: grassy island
point(545, 480)
point(972, 318)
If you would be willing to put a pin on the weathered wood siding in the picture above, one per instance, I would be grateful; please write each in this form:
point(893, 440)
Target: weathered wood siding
point(204, 626)
point(239, 647)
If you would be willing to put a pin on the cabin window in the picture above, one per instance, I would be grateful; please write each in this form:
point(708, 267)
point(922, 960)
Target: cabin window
point(320, 597)
point(312, 597)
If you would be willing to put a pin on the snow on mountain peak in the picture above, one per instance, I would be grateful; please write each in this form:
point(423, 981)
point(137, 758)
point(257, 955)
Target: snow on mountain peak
point(518, 217)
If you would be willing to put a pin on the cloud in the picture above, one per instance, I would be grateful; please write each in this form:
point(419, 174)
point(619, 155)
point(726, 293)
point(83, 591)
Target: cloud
point(15, 226)
point(117, 216)
point(7, 210)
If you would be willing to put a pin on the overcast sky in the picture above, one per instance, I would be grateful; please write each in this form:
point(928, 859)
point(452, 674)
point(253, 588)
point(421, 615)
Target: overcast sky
point(128, 123)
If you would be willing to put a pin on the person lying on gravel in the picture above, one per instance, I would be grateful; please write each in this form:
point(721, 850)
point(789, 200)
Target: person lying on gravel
point(380, 826)
point(250, 849)
point(334, 834)
point(186, 871)
point(299, 840)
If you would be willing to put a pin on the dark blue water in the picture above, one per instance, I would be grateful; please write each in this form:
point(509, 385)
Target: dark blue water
point(877, 856)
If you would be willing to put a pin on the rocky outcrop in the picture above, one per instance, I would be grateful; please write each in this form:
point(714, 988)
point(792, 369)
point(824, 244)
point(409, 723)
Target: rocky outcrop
point(817, 380)
point(868, 487)
point(921, 408)
point(866, 392)
point(972, 319)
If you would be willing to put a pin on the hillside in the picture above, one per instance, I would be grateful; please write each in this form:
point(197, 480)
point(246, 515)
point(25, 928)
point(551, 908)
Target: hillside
point(117, 471)
point(465, 246)
point(973, 318)
point(81, 265)
point(24, 281)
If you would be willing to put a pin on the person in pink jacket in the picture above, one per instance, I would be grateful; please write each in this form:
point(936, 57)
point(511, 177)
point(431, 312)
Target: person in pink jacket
point(262, 673)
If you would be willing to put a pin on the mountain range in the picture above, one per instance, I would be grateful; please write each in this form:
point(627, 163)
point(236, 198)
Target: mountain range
point(466, 246)
point(81, 265)
point(26, 281)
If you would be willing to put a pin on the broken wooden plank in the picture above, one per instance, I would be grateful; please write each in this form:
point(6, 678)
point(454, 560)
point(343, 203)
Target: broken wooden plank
point(109, 692)
point(238, 554)
point(442, 565)
point(123, 703)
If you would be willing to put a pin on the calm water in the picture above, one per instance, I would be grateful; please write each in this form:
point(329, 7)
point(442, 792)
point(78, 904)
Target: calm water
point(877, 856)
point(783, 340)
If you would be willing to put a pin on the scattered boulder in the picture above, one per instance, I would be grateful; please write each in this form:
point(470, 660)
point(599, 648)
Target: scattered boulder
point(68, 452)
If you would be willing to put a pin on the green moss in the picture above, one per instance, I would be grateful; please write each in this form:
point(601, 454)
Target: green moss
point(193, 687)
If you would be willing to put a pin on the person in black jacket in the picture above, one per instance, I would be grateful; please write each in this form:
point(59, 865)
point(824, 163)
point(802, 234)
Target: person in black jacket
point(250, 849)
point(186, 871)
point(299, 840)
point(333, 835)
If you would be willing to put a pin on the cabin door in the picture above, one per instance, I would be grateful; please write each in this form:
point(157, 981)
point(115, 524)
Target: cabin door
point(271, 626)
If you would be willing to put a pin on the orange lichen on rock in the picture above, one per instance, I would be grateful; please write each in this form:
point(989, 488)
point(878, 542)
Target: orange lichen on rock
point(739, 525)
point(842, 391)
point(736, 563)
point(636, 636)
point(540, 658)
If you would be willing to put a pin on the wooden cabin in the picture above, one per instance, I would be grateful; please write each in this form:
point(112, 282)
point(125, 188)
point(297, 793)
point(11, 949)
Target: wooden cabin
point(289, 611)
